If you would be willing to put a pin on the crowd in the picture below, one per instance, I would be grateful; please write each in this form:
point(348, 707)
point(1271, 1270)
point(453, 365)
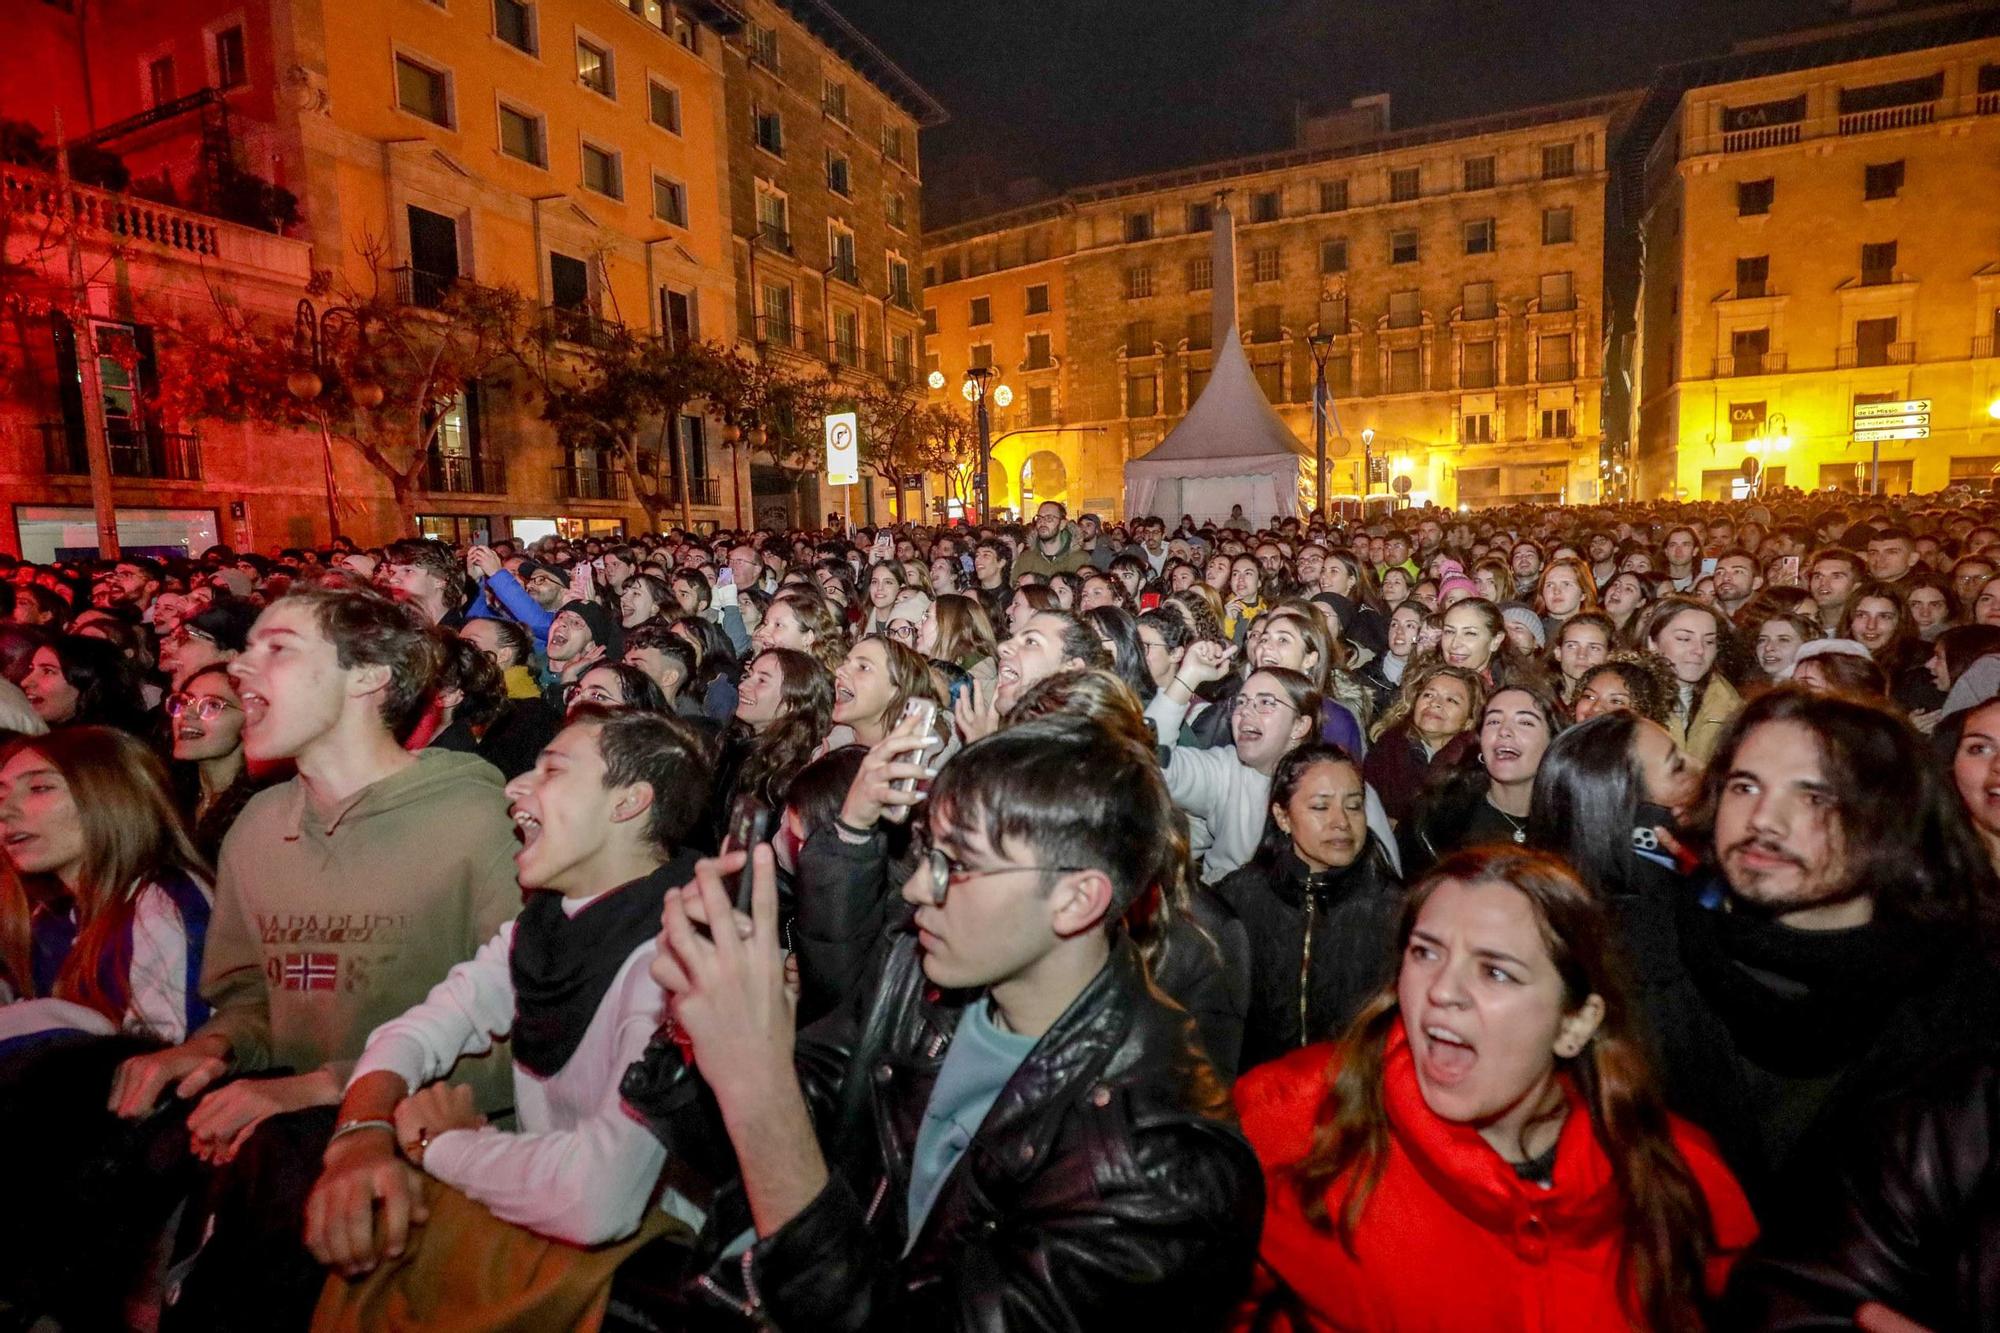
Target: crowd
point(1544, 918)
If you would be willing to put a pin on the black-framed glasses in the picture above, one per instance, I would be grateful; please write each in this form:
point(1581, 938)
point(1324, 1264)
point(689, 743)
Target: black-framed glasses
point(207, 707)
point(944, 869)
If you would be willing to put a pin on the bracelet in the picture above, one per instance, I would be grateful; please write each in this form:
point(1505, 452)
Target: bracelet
point(1184, 685)
point(347, 1127)
point(845, 827)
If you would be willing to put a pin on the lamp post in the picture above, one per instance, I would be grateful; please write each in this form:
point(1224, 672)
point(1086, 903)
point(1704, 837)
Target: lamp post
point(1367, 467)
point(1773, 436)
point(312, 330)
point(1321, 347)
point(977, 392)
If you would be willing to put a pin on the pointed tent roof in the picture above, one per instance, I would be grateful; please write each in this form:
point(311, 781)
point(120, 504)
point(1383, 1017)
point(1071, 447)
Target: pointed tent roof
point(1232, 418)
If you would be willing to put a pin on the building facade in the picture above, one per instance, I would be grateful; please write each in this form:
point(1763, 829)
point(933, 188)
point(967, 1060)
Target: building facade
point(1456, 270)
point(1818, 250)
point(584, 153)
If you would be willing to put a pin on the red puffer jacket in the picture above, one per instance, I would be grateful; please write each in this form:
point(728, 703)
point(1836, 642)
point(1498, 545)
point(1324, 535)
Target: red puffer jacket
point(1452, 1238)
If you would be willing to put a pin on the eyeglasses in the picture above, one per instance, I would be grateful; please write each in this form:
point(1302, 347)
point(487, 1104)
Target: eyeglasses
point(1265, 705)
point(903, 633)
point(183, 634)
point(944, 869)
point(207, 707)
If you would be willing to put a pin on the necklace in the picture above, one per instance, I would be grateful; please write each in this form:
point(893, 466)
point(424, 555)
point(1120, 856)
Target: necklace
point(1520, 826)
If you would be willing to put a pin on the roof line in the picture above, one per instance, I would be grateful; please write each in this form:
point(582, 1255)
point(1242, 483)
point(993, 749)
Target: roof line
point(854, 46)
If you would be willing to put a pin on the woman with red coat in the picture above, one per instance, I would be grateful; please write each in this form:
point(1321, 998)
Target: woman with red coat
point(1486, 1148)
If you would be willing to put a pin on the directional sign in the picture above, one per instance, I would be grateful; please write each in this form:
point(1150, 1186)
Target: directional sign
point(1888, 423)
point(1899, 433)
point(842, 454)
point(1866, 411)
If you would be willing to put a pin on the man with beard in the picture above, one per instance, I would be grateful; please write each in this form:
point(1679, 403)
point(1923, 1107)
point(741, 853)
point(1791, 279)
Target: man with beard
point(1833, 956)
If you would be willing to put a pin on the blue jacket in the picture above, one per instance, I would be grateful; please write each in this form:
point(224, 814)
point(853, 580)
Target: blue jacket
point(515, 601)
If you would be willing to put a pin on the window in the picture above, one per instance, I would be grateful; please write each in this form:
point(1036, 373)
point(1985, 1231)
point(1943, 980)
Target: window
point(892, 143)
point(1139, 226)
point(652, 12)
point(1558, 160)
point(1333, 255)
point(847, 337)
point(982, 311)
point(833, 100)
point(1404, 184)
point(514, 24)
point(1875, 341)
point(952, 266)
point(1264, 206)
point(774, 222)
point(1478, 368)
point(1753, 198)
point(670, 201)
point(423, 91)
point(1557, 292)
point(686, 34)
point(521, 136)
point(1476, 428)
point(1197, 380)
point(593, 68)
point(763, 44)
point(1271, 379)
point(1554, 358)
point(837, 178)
point(160, 81)
point(1479, 172)
point(1264, 265)
point(1038, 352)
point(1141, 396)
point(1556, 423)
point(1041, 405)
point(1406, 309)
point(602, 172)
point(1558, 225)
point(1479, 237)
point(1266, 325)
point(663, 106)
point(1403, 246)
point(767, 130)
point(1139, 337)
point(1476, 301)
point(1200, 274)
point(1200, 217)
point(1200, 331)
point(232, 60)
point(777, 320)
point(893, 207)
point(899, 282)
point(1038, 298)
point(1882, 180)
point(903, 355)
point(1878, 263)
point(1138, 282)
point(677, 316)
point(982, 355)
point(1753, 276)
point(930, 320)
point(1747, 350)
point(1406, 370)
point(1332, 196)
point(569, 282)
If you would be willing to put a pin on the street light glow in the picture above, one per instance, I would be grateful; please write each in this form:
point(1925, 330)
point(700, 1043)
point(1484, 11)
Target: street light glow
point(937, 379)
point(970, 390)
point(1003, 395)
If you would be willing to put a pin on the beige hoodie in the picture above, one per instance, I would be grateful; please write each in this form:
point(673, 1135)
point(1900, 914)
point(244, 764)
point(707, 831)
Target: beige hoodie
point(327, 927)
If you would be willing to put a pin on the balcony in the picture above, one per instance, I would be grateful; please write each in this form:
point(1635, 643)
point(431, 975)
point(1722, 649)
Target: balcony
point(782, 331)
point(153, 455)
point(1989, 103)
point(1982, 347)
point(842, 270)
point(701, 490)
point(578, 326)
point(424, 290)
point(1763, 136)
point(1478, 377)
point(1888, 118)
point(900, 298)
point(773, 237)
point(1875, 354)
point(903, 372)
point(1554, 372)
point(1749, 363)
point(590, 483)
point(1556, 303)
point(460, 474)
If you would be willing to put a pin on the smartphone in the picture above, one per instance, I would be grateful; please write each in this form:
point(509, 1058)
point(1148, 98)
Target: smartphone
point(928, 756)
point(1785, 573)
point(1149, 601)
point(749, 824)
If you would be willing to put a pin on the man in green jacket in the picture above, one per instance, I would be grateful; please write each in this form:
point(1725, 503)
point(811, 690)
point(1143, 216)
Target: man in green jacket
point(1056, 548)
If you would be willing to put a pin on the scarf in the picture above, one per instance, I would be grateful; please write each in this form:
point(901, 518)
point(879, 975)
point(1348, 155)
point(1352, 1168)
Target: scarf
point(562, 965)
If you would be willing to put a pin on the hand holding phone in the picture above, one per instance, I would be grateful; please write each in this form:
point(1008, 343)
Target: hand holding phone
point(749, 824)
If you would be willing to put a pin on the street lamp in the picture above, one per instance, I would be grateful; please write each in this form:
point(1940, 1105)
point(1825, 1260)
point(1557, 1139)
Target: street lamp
point(1321, 347)
point(1773, 436)
point(1367, 467)
point(312, 331)
point(975, 393)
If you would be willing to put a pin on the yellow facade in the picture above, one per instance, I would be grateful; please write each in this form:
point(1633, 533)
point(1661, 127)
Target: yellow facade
point(1816, 239)
point(1459, 268)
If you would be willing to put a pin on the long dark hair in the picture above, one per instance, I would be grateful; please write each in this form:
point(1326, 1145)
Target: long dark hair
point(778, 752)
point(1587, 795)
point(1668, 1232)
point(1291, 771)
point(1903, 829)
point(1128, 653)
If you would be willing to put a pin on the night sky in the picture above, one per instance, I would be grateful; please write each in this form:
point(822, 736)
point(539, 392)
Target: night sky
point(1077, 91)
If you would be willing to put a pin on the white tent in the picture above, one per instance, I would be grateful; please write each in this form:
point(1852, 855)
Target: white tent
point(1232, 448)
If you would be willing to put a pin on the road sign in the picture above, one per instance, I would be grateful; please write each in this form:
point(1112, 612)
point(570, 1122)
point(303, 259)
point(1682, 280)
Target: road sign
point(1890, 423)
point(1867, 411)
point(843, 458)
point(1899, 433)
point(1402, 485)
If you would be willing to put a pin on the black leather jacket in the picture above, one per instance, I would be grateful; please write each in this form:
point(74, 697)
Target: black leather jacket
point(1909, 1218)
point(1108, 1186)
